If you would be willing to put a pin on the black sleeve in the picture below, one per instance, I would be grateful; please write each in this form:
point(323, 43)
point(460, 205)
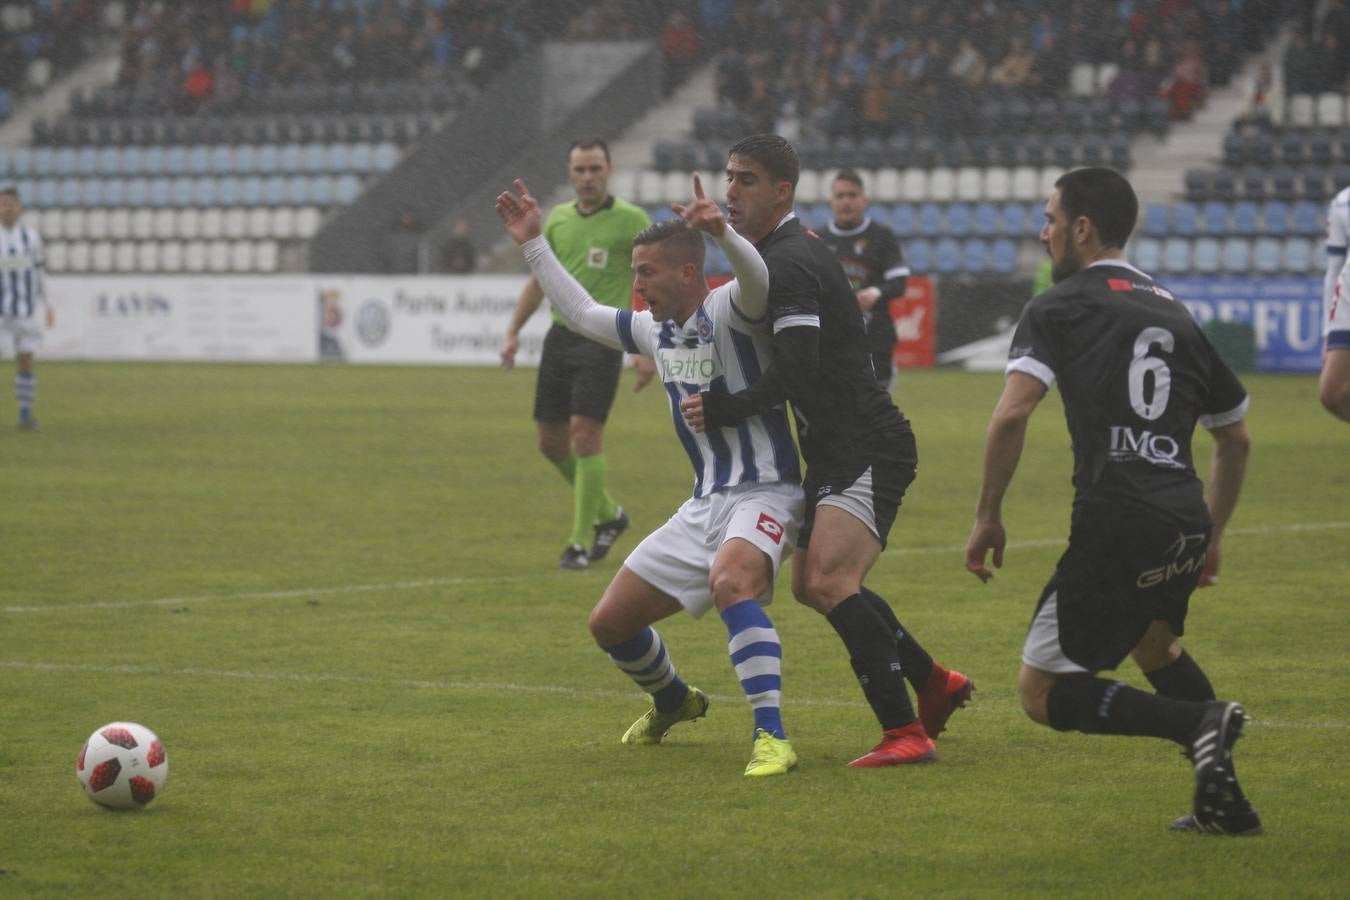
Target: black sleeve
point(894, 272)
point(796, 358)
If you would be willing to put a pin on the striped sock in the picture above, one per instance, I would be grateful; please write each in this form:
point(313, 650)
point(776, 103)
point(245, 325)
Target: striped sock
point(644, 659)
point(757, 656)
point(25, 389)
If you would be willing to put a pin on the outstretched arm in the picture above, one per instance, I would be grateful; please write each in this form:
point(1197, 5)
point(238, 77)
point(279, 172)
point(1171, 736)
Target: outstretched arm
point(1002, 451)
point(522, 218)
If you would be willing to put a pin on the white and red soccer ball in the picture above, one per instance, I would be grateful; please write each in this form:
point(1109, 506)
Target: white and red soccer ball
point(122, 765)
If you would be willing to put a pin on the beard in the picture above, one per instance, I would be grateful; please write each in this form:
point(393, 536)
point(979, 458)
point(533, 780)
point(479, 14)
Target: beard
point(1070, 263)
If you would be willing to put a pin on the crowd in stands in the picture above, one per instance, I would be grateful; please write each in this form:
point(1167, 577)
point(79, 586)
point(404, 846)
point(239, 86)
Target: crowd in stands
point(1318, 57)
point(887, 66)
point(40, 38)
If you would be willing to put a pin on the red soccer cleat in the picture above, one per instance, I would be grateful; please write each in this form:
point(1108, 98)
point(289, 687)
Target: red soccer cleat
point(945, 693)
point(899, 746)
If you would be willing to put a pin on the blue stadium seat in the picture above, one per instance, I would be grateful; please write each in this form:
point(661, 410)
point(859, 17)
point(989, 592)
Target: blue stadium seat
point(903, 220)
point(1206, 255)
point(717, 259)
point(44, 161)
point(109, 161)
point(986, 220)
point(228, 190)
point(1237, 256)
point(175, 160)
point(150, 161)
point(86, 161)
point(1013, 217)
point(222, 160)
point(180, 191)
point(1003, 257)
point(1035, 219)
point(1266, 256)
point(90, 192)
point(21, 162)
point(114, 191)
point(930, 220)
point(68, 191)
point(960, 220)
point(1306, 218)
point(975, 256)
point(1214, 216)
point(1157, 220)
point(204, 190)
point(1275, 217)
point(244, 159)
point(1176, 256)
point(1184, 219)
point(346, 189)
point(47, 192)
point(267, 159)
point(1297, 255)
point(137, 192)
point(315, 158)
point(362, 158)
point(947, 256)
point(339, 158)
point(251, 191)
point(819, 215)
point(1246, 218)
point(385, 156)
point(199, 159)
point(919, 255)
point(292, 158)
point(274, 190)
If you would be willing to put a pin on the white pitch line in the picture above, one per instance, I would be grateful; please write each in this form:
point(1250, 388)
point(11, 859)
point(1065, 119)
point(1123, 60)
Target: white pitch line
point(490, 686)
point(486, 579)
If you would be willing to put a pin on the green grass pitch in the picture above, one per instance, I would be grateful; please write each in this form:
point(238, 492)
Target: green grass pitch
point(332, 592)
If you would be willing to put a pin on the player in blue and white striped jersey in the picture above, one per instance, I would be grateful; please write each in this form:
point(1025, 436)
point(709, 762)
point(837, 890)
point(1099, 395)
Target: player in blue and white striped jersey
point(724, 546)
point(1334, 385)
point(21, 298)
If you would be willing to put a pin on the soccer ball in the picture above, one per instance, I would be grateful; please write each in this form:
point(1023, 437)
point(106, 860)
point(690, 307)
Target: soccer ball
point(122, 765)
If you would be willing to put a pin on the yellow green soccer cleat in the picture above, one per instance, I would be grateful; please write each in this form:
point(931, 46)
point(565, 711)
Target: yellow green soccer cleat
point(771, 756)
point(653, 725)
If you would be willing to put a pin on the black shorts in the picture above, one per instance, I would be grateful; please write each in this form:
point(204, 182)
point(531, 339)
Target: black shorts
point(1124, 569)
point(577, 377)
point(870, 484)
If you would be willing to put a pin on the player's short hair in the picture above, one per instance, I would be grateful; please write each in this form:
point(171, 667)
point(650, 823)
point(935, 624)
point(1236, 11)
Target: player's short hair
point(852, 177)
point(1105, 197)
point(589, 143)
point(678, 240)
point(9, 189)
point(772, 152)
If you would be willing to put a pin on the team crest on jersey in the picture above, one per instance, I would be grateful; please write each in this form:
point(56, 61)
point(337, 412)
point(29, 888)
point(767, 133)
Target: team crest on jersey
point(597, 257)
point(770, 527)
point(859, 246)
point(705, 327)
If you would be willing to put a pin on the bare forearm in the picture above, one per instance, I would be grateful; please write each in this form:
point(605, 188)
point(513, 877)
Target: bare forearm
point(1002, 451)
point(1228, 468)
point(531, 298)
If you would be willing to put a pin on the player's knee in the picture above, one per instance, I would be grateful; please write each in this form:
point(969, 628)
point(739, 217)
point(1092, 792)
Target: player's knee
point(732, 585)
point(1035, 697)
point(605, 629)
point(823, 590)
point(1335, 397)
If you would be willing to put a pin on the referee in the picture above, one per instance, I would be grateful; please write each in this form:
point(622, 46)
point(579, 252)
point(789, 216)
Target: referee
point(578, 378)
point(872, 260)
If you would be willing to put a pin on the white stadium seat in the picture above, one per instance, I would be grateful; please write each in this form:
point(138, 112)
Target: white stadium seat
point(259, 223)
point(218, 256)
point(58, 256)
point(678, 187)
point(887, 185)
point(307, 221)
point(941, 184)
point(119, 223)
point(1049, 175)
point(73, 222)
point(96, 225)
point(623, 183)
point(171, 256)
point(266, 257)
point(194, 256)
point(1331, 109)
point(1026, 183)
point(147, 256)
point(914, 185)
point(1301, 110)
point(101, 257)
point(235, 224)
point(1082, 79)
point(997, 183)
point(188, 223)
point(808, 186)
point(651, 187)
point(969, 183)
point(283, 223)
point(166, 224)
point(78, 260)
point(213, 222)
point(241, 256)
point(124, 256)
point(143, 223)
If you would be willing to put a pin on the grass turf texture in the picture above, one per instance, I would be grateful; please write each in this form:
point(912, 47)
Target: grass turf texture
point(332, 593)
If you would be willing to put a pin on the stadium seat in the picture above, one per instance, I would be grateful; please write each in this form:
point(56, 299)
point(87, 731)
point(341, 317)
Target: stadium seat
point(1246, 218)
point(1297, 255)
point(914, 185)
point(1300, 110)
point(143, 160)
point(1049, 175)
point(135, 191)
point(212, 222)
point(165, 224)
point(147, 256)
point(1274, 217)
point(903, 220)
point(48, 223)
point(1306, 218)
point(1014, 219)
point(43, 161)
point(101, 257)
point(96, 224)
point(307, 221)
point(175, 160)
point(919, 256)
point(1199, 185)
point(1237, 256)
point(266, 256)
point(203, 191)
point(78, 259)
point(975, 256)
point(947, 256)
point(1184, 218)
point(997, 183)
point(218, 256)
point(1157, 220)
point(969, 183)
point(1266, 256)
point(986, 222)
point(346, 189)
point(282, 223)
point(1083, 79)
point(888, 187)
point(221, 160)
point(160, 191)
point(1331, 109)
point(171, 256)
point(809, 187)
point(1003, 256)
point(234, 222)
point(930, 220)
point(362, 159)
point(385, 157)
point(1214, 217)
point(960, 220)
point(188, 223)
point(1205, 256)
point(241, 256)
point(1176, 256)
point(259, 223)
point(194, 256)
point(142, 223)
point(57, 256)
point(73, 223)
point(198, 160)
point(942, 184)
point(89, 163)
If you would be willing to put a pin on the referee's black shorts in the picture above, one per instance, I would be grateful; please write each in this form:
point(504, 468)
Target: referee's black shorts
point(1125, 568)
point(870, 483)
point(577, 377)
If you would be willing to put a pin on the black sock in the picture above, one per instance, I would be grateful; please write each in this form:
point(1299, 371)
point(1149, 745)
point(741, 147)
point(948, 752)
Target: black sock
point(872, 652)
point(1181, 679)
point(913, 658)
point(1098, 706)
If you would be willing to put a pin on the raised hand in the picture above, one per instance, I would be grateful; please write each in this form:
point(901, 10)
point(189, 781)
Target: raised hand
point(703, 214)
point(520, 215)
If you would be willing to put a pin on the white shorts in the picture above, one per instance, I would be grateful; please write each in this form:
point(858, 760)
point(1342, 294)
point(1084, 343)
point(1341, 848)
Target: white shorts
point(1041, 649)
point(27, 332)
point(677, 557)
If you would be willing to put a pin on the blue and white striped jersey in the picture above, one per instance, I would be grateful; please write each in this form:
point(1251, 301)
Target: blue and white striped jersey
point(21, 267)
point(717, 350)
point(1338, 236)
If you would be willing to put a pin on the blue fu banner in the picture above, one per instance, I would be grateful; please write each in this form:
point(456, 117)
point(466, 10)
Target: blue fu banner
point(1285, 315)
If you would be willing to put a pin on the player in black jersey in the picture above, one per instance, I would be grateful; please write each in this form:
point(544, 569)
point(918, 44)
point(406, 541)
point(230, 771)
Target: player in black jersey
point(859, 451)
point(871, 258)
point(1136, 374)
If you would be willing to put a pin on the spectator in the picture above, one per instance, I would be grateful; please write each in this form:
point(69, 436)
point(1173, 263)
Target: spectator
point(460, 256)
point(680, 48)
point(1015, 68)
point(403, 244)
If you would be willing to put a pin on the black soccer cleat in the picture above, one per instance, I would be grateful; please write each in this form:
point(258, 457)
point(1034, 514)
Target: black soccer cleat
point(574, 557)
point(606, 533)
point(1220, 806)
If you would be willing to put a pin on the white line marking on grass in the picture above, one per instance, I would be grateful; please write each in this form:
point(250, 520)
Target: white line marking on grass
point(492, 686)
point(492, 579)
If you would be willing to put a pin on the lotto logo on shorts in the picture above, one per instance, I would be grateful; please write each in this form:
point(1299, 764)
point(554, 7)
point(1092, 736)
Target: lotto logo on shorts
point(771, 527)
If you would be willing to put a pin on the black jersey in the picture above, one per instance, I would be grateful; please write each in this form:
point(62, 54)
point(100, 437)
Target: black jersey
point(844, 409)
point(1136, 374)
point(871, 257)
